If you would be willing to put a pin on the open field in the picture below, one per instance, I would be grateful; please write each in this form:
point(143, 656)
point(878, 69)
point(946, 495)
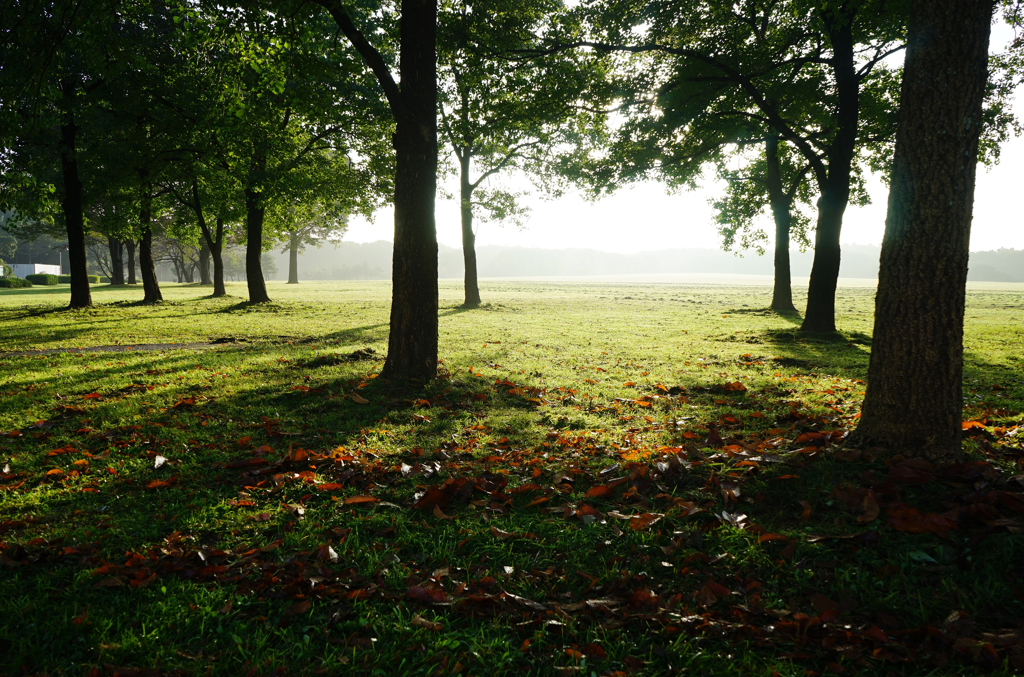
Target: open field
point(609, 478)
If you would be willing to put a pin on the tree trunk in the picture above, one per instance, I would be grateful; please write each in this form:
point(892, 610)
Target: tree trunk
point(204, 263)
point(781, 203)
point(130, 246)
point(468, 236)
point(412, 343)
point(217, 253)
point(835, 193)
point(150, 286)
point(116, 260)
point(293, 259)
point(81, 296)
point(914, 400)
point(254, 213)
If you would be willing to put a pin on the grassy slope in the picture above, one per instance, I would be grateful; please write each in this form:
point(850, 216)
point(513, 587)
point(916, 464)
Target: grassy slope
point(226, 567)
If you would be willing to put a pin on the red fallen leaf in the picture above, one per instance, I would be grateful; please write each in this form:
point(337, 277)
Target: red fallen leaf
point(910, 520)
point(431, 497)
point(1014, 502)
point(430, 595)
point(105, 569)
point(788, 477)
point(718, 589)
point(806, 514)
point(763, 538)
point(755, 414)
point(827, 609)
point(81, 618)
point(600, 491)
point(704, 596)
point(421, 622)
point(143, 582)
point(246, 463)
point(734, 387)
point(595, 650)
point(875, 633)
point(523, 488)
point(92, 396)
point(969, 425)
point(329, 486)
point(242, 441)
point(356, 500)
point(538, 501)
point(810, 438)
point(298, 608)
point(54, 472)
point(186, 402)
point(160, 484)
point(269, 547)
point(910, 472)
point(640, 522)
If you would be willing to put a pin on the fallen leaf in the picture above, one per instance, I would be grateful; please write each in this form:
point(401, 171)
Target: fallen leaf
point(503, 535)
point(910, 520)
point(356, 500)
point(421, 622)
point(359, 399)
point(870, 507)
point(704, 596)
point(640, 522)
point(431, 595)
point(600, 491)
point(439, 514)
point(298, 608)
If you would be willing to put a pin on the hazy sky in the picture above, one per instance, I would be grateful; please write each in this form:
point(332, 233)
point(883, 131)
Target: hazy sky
point(643, 217)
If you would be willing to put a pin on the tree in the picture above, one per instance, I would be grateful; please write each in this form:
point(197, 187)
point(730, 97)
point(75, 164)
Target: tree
point(505, 113)
point(914, 396)
point(305, 223)
point(775, 181)
point(811, 73)
point(412, 342)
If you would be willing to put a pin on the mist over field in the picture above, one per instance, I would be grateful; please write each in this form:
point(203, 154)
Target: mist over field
point(372, 261)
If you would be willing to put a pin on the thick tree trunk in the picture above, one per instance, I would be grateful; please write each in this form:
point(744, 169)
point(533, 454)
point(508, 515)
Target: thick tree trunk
point(81, 296)
point(914, 399)
point(116, 260)
point(835, 193)
point(254, 213)
point(781, 203)
point(150, 286)
point(204, 263)
point(130, 246)
point(412, 343)
point(293, 259)
point(468, 236)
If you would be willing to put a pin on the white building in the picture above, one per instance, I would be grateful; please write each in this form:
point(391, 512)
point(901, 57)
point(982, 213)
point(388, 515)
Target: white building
point(23, 269)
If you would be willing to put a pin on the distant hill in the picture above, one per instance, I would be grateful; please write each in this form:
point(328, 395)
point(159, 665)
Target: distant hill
point(372, 261)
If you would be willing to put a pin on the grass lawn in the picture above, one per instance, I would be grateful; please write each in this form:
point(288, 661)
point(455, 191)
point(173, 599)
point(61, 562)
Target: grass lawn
point(607, 479)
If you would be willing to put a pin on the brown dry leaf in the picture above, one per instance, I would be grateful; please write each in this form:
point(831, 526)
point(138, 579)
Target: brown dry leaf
point(503, 535)
point(111, 582)
point(870, 507)
point(356, 500)
point(227, 607)
point(421, 622)
point(431, 595)
point(910, 520)
point(641, 522)
point(771, 537)
point(359, 399)
point(439, 514)
point(298, 608)
point(600, 491)
point(704, 596)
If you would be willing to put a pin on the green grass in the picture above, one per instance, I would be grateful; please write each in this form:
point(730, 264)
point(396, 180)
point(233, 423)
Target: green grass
point(245, 553)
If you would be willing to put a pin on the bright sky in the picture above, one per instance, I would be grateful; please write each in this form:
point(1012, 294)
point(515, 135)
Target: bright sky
point(643, 217)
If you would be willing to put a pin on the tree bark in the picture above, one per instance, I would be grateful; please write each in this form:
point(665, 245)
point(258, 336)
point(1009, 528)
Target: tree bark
point(781, 203)
point(293, 259)
point(116, 260)
point(412, 343)
point(914, 399)
point(150, 286)
point(835, 192)
point(254, 214)
point(217, 253)
point(204, 263)
point(468, 236)
point(74, 220)
point(130, 246)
